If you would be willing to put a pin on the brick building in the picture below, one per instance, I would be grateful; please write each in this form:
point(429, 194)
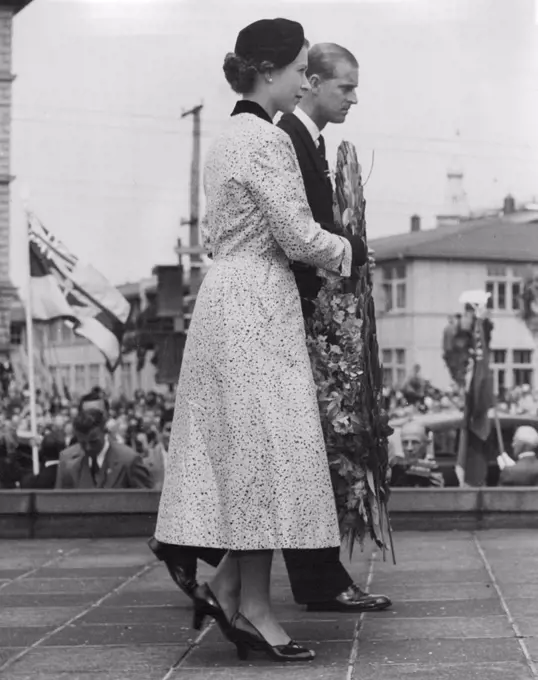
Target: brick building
point(8, 8)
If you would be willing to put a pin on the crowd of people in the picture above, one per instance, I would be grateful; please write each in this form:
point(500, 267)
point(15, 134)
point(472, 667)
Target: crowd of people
point(142, 424)
point(418, 395)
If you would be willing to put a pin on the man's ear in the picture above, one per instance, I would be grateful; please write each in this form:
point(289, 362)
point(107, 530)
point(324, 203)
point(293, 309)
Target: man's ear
point(315, 82)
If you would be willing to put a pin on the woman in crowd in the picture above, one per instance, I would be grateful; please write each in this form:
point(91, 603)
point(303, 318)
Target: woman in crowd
point(247, 468)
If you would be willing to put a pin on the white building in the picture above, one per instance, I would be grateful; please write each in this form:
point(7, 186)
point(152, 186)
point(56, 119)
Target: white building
point(420, 276)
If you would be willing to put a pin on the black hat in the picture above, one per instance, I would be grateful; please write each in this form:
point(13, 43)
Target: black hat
point(276, 40)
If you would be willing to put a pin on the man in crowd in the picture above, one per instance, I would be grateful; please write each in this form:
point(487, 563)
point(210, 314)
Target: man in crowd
point(96, 462)
point(414, 388)
point(415, 468)
point(524, 472)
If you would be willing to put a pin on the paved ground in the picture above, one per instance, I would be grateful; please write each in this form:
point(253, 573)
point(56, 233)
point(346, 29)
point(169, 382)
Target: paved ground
point(465, 608)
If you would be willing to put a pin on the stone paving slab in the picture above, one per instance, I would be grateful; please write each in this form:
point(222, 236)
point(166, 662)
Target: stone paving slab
point(59, 586)
point(132, 663)
point(465, 671)
point(432, 628)
point(106, 610)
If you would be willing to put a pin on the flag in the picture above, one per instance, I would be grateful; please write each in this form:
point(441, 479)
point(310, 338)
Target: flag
point(472, 465)
point(63, 287)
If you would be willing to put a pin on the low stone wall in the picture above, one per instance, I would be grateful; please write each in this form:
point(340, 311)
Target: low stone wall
point(107, 513)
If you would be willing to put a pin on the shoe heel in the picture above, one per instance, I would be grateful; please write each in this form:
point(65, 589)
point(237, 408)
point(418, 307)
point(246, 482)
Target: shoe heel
point(242, 651)
point(198, 619)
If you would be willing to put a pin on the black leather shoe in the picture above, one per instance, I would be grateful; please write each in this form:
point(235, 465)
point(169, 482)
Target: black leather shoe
point(184, 578)
point(354, 599)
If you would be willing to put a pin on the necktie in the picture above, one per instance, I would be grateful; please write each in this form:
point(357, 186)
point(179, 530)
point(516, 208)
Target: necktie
point(94, 469)
point(321, 151)
point(321, 148)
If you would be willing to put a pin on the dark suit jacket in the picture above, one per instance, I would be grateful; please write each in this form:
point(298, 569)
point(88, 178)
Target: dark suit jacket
point(319, 192)
point(523, 473)
point(45, 479)
point(122, 469)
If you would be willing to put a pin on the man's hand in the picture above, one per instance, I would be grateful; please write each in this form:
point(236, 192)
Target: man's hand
point(371, 258)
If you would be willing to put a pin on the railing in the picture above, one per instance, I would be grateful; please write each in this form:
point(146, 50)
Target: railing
point(111, 513)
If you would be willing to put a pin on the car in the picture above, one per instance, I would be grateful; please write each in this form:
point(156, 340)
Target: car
point(445, 428)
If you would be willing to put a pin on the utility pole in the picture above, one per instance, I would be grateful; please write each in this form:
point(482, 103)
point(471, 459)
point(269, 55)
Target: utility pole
point(194, 250)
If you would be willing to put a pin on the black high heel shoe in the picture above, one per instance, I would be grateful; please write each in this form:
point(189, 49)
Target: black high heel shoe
point(246, 641)
point(207, 605)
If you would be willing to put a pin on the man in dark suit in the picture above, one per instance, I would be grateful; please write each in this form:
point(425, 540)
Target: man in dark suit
point(96, 462)
point(524, 472)
point(318, 577)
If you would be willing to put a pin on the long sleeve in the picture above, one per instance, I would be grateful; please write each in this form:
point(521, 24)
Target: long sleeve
point(277, 187)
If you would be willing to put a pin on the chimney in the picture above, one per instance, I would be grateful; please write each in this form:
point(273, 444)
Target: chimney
point(415, 223)
point(509, 206)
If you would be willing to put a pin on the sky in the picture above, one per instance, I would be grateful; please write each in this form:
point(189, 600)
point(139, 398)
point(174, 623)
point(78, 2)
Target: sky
point(102, 156)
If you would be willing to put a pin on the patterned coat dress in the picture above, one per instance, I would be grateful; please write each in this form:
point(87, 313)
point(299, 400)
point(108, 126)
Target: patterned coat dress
point(247, 466)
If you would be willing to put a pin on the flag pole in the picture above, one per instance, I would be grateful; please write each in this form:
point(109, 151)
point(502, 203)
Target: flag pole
point(30, 352)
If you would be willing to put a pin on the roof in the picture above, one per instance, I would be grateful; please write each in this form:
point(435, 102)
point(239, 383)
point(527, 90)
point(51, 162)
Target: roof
point(498, 239)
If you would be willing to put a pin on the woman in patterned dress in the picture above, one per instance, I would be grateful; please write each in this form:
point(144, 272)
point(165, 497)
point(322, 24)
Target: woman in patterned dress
point(247, 467)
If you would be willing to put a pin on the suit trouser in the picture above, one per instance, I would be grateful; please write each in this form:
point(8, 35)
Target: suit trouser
point(315, 575)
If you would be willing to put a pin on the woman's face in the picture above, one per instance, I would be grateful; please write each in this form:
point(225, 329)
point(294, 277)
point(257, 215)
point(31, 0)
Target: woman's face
point(290, 83)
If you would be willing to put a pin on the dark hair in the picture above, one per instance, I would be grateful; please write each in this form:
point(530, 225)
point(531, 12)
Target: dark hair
point(88, 420)
point(95, 394)
point(51, 446)
point(323, 57)
point(241, 73)
point(167, 416)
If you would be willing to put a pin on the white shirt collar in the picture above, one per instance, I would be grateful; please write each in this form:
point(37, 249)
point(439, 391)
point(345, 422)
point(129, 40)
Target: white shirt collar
point(308, 123)
point(101, 455)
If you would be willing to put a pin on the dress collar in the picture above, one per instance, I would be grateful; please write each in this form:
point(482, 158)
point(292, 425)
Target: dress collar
point(246, 106)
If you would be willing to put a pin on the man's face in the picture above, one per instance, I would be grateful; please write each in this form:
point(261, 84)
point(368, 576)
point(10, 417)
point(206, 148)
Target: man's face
point(335, 96)
point(414, 442)
point(93, 442)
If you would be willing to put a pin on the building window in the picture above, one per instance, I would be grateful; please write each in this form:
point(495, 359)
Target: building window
point(80, 378)
point(67, 333)
point(394, 372)
point(499, 356)
point(516, 365)
point(65, 376)
point(522, 367)
point(394, 287)
point(522, 356)
point(95, 375)
point(516, 296)
point(126, 379)
point(504, 284)
point(499, 371)
point(15, 334)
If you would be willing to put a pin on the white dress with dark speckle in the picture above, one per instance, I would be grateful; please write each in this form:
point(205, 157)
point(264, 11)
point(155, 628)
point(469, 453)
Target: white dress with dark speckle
point(247, 467)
